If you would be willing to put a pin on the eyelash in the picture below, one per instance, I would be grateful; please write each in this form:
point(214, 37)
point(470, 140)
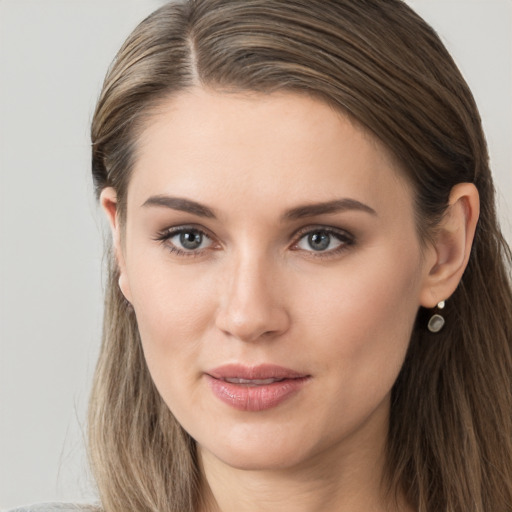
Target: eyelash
point(164, 238)
point(344, 237)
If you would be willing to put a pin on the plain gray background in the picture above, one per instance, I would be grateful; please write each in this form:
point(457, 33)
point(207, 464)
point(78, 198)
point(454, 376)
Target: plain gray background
point(53, 56)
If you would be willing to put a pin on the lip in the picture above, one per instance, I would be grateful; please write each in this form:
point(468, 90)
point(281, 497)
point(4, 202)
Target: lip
point(254, 388)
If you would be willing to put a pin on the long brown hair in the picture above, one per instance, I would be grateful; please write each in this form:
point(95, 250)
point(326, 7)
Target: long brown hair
point(450, 433)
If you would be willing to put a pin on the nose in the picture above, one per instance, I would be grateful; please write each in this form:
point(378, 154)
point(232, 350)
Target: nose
point(252, 306)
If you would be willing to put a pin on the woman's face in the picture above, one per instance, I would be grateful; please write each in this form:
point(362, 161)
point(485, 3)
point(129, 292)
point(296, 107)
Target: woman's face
point(271, 256)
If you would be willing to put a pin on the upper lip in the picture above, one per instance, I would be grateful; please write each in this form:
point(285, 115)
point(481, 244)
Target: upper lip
point(259, 372)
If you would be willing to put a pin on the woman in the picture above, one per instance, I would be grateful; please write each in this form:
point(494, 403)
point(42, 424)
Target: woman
point(308, 305)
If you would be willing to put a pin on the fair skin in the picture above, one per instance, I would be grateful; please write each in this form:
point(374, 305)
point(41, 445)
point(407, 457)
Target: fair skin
point(246, 275)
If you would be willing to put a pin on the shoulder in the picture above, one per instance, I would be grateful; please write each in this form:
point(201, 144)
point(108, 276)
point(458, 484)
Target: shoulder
point(57, 507)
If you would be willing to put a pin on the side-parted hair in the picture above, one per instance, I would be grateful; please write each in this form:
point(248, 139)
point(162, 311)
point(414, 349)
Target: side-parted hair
point(376, 61)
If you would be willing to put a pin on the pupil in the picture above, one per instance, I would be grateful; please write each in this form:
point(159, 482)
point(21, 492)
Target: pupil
point(319, 241)
point(191, 240)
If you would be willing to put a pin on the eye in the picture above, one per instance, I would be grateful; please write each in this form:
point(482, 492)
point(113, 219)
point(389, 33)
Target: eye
point(324, 240)
point(190, 240)
point(185, 240)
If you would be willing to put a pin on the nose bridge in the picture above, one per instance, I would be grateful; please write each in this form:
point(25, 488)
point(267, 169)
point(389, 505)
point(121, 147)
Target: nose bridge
point(252, 304)
point(251, 282)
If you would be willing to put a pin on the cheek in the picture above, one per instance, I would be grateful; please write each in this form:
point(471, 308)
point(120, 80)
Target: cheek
point(362, 318)
point(172, 317)
point(174, 308)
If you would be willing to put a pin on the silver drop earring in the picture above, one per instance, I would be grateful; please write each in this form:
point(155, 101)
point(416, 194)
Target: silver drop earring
point(436, 322)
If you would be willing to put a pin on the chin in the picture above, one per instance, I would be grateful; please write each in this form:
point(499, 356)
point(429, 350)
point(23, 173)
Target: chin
point(275, 449)
point(257, 459)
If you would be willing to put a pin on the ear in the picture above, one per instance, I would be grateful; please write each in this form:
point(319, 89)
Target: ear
point(108, 201)
point(449, 255)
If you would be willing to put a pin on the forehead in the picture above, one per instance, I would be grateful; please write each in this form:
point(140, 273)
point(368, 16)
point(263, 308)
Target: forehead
point(281, 147)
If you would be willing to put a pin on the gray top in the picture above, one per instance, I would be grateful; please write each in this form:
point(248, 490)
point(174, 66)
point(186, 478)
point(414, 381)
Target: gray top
point(60, 507)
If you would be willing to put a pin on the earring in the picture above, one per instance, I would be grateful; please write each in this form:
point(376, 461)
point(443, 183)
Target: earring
point(436, 322)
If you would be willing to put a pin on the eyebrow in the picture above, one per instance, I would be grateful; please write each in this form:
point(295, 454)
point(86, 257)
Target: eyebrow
point(300, 212)
point(335, 206)
point(180, 204)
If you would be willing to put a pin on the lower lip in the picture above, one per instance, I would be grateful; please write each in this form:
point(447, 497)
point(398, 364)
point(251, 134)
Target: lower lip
point(255, 398)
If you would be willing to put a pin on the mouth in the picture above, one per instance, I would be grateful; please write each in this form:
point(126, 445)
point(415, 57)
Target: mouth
point(252, 382)
point(257, 388)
